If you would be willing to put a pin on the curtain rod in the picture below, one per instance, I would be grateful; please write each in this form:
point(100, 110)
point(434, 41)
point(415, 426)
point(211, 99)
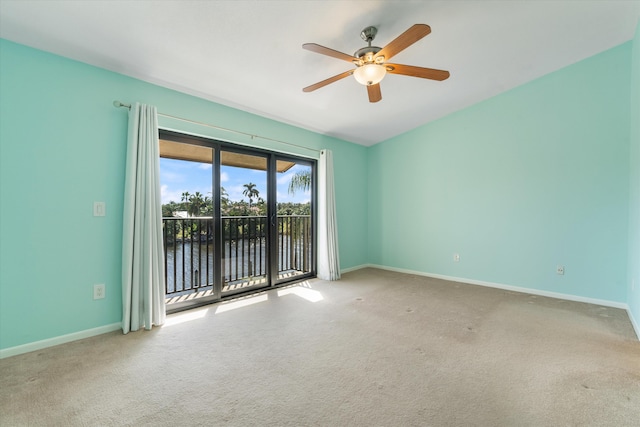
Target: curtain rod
point(119, 104)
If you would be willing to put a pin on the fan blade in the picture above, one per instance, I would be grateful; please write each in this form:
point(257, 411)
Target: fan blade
point(327, 81)
point(374, 92)
point(329, 52)
point(404, 40)
point(424, 73)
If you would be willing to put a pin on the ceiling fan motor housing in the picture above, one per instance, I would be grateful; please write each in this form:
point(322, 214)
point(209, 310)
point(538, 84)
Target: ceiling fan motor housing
point(366, 53)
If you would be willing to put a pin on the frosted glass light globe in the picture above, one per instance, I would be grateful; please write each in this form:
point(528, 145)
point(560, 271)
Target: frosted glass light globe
point(369, 74)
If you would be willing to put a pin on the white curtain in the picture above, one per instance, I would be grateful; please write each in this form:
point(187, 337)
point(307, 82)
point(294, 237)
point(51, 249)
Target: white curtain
point(142, 252)
point(328, 257)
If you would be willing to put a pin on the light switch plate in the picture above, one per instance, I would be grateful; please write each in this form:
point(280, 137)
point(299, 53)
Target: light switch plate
point(99, 209)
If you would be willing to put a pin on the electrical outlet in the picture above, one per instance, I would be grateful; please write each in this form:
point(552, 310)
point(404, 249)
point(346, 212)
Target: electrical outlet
point(560, 269)
point(456, 257)
point(98, 291)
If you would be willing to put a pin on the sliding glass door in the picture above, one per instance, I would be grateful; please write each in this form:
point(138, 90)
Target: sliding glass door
point(244, 198)
point(188, 219)
point(294, 234)
point(235, 220)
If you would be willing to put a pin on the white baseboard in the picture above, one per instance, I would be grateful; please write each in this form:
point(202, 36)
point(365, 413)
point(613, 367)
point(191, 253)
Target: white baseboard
point(558, 295)
point(569, 297)
point(50, 342)
point(357, 267)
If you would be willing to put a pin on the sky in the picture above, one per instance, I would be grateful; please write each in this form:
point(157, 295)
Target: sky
point(178, 176)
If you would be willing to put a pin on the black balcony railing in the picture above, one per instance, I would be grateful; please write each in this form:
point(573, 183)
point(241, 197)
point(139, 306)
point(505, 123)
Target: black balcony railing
point(189, 249)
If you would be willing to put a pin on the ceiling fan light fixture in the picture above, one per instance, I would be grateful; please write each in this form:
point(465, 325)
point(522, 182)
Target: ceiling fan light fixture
point(370, 61)
point(370, 74)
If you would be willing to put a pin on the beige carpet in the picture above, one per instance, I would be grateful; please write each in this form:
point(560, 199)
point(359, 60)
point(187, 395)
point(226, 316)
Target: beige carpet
point(375, 349)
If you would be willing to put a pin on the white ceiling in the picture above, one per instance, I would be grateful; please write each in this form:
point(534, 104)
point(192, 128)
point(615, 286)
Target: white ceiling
point(248, 54)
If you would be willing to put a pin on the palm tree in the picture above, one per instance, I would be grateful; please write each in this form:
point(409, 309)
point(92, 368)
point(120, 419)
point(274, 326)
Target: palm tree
point(300, 180)
point(196, 203)
point(225, 206)
point(250, 191)
point(185, 201)
point(207, 209)
point(224, 196)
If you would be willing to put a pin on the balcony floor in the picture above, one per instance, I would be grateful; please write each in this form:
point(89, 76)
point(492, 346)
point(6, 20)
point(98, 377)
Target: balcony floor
point(193, 295)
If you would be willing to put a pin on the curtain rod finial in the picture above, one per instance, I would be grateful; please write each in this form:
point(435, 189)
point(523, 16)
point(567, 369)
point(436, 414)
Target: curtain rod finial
point(119, 104)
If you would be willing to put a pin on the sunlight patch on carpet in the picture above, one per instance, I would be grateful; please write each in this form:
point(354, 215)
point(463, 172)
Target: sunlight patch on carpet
point(177, 319)
point(303, 292)
point(244, 302)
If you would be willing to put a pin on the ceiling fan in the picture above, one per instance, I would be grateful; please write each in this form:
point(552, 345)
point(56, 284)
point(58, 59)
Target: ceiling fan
point(370, 61)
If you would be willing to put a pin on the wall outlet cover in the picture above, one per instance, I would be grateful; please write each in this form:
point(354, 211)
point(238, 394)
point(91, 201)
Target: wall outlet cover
point(98, 291)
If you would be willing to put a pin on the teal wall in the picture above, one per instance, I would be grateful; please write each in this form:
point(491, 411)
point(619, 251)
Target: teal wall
point(633, 298)
point(62, 147)
point(538, 176)
point(533, 178)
